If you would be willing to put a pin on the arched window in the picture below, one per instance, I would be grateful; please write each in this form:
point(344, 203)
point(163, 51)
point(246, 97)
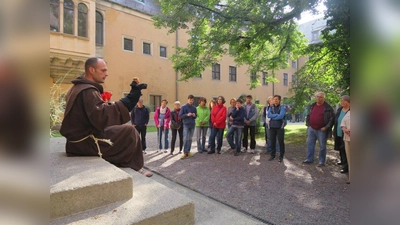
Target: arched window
point(68, 17)
point(55, 15)
point(82, 20)
point(99, 28)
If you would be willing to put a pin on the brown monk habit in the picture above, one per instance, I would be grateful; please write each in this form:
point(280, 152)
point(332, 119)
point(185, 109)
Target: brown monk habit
point(87, 114)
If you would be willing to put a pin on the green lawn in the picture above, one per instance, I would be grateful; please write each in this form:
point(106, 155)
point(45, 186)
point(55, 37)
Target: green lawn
point(294, 135)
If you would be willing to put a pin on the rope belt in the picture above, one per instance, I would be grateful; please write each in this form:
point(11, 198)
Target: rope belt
point(96, 141)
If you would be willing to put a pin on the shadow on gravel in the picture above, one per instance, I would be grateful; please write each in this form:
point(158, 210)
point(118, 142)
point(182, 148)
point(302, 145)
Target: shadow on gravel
point(278, 193)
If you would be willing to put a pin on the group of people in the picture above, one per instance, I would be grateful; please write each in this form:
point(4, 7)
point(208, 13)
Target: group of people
point(240, 118)
point(94, 127)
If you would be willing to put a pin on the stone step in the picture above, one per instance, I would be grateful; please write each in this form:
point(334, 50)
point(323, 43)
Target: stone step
point(89, 190)
point(151, 203)
point(83, 183)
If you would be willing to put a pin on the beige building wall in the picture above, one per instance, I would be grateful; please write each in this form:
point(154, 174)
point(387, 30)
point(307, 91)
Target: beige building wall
point(69, 52)
point(122, 22)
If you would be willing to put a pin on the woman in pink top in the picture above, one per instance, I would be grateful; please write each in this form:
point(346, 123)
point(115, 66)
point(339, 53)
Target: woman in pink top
point(162, 119)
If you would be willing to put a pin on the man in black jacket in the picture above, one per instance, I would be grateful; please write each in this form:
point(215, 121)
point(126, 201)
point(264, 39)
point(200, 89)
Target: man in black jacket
point(140, 119)
point(319, 122)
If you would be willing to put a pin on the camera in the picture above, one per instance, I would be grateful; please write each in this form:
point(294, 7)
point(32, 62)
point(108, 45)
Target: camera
point(138, 86)
point(142, 86)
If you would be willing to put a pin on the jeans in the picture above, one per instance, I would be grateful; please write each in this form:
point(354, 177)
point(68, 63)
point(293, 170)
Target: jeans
point(174, 131)
point(187, 138)
point(209, 136)
point(141, 129)
point(252, 137)
point(216, 133)
point(234, 137)
point(201, 133)
point(313, 136)
point(277, 133)
point(269, 142)
point(160, 132)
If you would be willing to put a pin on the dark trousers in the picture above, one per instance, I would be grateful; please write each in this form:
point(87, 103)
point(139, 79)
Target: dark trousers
point(141, 129)
point(216, 133)
point(174, 131)
point(252, 137)
point(280, 133)
point(339, 144)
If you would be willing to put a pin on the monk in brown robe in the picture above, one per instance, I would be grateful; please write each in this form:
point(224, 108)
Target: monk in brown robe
point(93, 127)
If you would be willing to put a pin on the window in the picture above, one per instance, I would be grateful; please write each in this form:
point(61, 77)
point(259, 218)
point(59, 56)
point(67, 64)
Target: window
point(163, 51)
point(99, 28)
point(196, 101)
point(55, 15)
point(82, 20)
point(146, 48)
point(68, 17)
point(128, 44)
point(294, 64)
point(285, 79)
point(264, 78)
point(232, 73)
point(293, 79)
point(315, 35)
point(155, 101)
point(216, 72)
point(253, 76)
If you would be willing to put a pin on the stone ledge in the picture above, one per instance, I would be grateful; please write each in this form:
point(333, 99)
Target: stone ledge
point(82, 183)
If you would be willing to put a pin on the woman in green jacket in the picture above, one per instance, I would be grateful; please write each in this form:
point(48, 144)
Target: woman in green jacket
point(202, 123)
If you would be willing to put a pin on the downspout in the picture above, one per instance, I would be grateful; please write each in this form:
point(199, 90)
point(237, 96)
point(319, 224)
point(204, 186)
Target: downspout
point(176, 72)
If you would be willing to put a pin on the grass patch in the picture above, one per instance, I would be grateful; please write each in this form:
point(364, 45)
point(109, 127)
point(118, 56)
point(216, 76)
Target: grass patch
point(55, 134)
point(151, 129)
point(294, 135)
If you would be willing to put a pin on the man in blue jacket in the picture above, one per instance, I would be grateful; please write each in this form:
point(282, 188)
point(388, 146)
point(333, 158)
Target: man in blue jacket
point(276, 113)
point(140, 119)
point(188, 115)
point(237, 118)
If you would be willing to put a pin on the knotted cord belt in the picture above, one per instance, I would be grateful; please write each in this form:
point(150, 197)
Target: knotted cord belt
point(96, 141)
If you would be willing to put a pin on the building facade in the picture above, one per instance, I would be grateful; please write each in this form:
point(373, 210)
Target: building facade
point(122, 33)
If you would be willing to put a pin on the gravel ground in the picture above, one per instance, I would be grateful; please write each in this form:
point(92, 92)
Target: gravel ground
point(277, 193)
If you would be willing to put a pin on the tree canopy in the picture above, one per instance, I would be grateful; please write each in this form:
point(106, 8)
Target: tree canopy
point(258, 33)
point(328, 68)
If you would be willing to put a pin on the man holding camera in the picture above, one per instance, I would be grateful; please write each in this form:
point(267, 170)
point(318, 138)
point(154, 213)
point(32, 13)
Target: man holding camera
point(93, 127)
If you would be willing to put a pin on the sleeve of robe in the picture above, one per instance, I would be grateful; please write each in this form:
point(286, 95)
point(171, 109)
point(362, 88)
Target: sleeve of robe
point(101, 114)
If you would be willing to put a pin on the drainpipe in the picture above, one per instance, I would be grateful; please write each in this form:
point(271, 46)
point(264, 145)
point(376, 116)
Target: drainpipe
point(176, 72)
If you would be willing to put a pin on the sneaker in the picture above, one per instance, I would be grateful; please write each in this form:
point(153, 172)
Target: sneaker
point(165, 151)
point(204, 150)
point(244, 150)
point(180, 152)
point(184, 156)
point(190, 154)
point(280, 159)
point(321, 164)
point(144, 152)
point(252, 151)
point(307, 162)
point(271, 158)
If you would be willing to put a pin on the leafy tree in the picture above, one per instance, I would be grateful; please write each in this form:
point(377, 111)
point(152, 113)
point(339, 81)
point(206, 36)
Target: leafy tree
point(258, 33)
point(328, 68)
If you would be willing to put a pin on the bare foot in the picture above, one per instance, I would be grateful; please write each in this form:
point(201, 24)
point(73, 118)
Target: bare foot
point(146, 173)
